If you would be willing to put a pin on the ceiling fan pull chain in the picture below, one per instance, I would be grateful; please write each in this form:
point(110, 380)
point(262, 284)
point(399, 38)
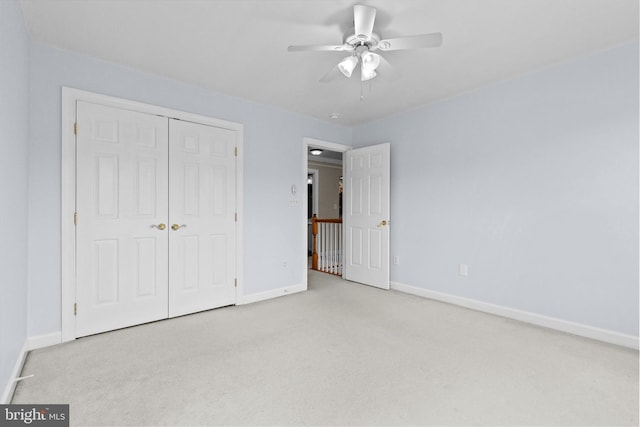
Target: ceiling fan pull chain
point(362, 89)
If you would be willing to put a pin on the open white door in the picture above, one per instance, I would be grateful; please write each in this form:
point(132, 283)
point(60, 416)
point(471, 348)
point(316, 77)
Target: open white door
point(366, 217)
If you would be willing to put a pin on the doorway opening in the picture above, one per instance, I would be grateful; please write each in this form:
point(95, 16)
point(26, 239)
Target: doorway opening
point(323, 167)
point(324, 196)
point(366, 191)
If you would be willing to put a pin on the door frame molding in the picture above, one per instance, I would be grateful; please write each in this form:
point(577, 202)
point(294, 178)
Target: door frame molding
point(332, 146)
point(68, 188)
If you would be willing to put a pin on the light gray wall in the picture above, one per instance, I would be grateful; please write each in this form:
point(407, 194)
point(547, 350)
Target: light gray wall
point(328, 189)
point(533, 183)
point(272, 163)
point(14, 185)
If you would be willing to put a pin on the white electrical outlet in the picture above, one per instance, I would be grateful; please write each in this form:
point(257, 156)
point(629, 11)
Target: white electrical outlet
point(463, 270)
point(396, 260)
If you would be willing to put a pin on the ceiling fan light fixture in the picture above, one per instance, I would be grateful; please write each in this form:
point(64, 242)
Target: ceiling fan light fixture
point(370, 61)
point(347, 65)
point(367, 74)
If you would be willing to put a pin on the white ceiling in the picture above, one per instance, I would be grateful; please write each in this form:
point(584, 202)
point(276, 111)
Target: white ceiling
point(239, 47)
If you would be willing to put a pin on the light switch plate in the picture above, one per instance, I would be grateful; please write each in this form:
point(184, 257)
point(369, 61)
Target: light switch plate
point(293, 202)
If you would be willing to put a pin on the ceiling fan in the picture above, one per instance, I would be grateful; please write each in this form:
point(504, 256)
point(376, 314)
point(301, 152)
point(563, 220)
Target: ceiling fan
point(363, 44)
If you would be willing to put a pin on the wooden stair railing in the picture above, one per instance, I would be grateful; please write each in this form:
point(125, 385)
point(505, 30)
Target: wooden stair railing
point(327, 245)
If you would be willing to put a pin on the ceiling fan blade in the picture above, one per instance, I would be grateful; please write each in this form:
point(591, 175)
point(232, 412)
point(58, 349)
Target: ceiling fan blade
point(388, 71)
point(411, 42)
point(331, 48)
point(363, 19)
point(331, 75)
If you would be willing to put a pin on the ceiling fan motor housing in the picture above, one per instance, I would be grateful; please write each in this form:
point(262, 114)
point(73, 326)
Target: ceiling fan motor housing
point(370, 45)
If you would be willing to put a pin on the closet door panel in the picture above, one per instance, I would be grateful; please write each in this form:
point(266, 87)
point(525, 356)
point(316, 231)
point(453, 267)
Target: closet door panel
point(121, 199)
point(202, 238)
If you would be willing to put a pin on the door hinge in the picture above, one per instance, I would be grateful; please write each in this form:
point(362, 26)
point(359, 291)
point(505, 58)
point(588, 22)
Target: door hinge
point(75, 308)
point(75, 128)
point(235, 151)
point(75, 218)
point(236, 217)
point(235, 283)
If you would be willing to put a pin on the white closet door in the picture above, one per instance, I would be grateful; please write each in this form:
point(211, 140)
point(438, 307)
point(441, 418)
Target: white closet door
point(122, 200)
point(202, 236)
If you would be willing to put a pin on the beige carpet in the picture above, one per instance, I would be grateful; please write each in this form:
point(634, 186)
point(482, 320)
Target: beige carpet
point(339, 354)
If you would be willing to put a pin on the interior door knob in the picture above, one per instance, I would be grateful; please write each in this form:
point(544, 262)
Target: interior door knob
point(176, 227)
point(160, 226)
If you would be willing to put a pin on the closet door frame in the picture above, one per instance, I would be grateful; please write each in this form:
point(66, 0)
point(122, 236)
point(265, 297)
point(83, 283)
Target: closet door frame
point(70, 97)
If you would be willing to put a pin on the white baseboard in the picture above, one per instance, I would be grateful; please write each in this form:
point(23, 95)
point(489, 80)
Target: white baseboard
point(10, 387)
point(47, 340)
point(275, 293)
point(599, 334)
